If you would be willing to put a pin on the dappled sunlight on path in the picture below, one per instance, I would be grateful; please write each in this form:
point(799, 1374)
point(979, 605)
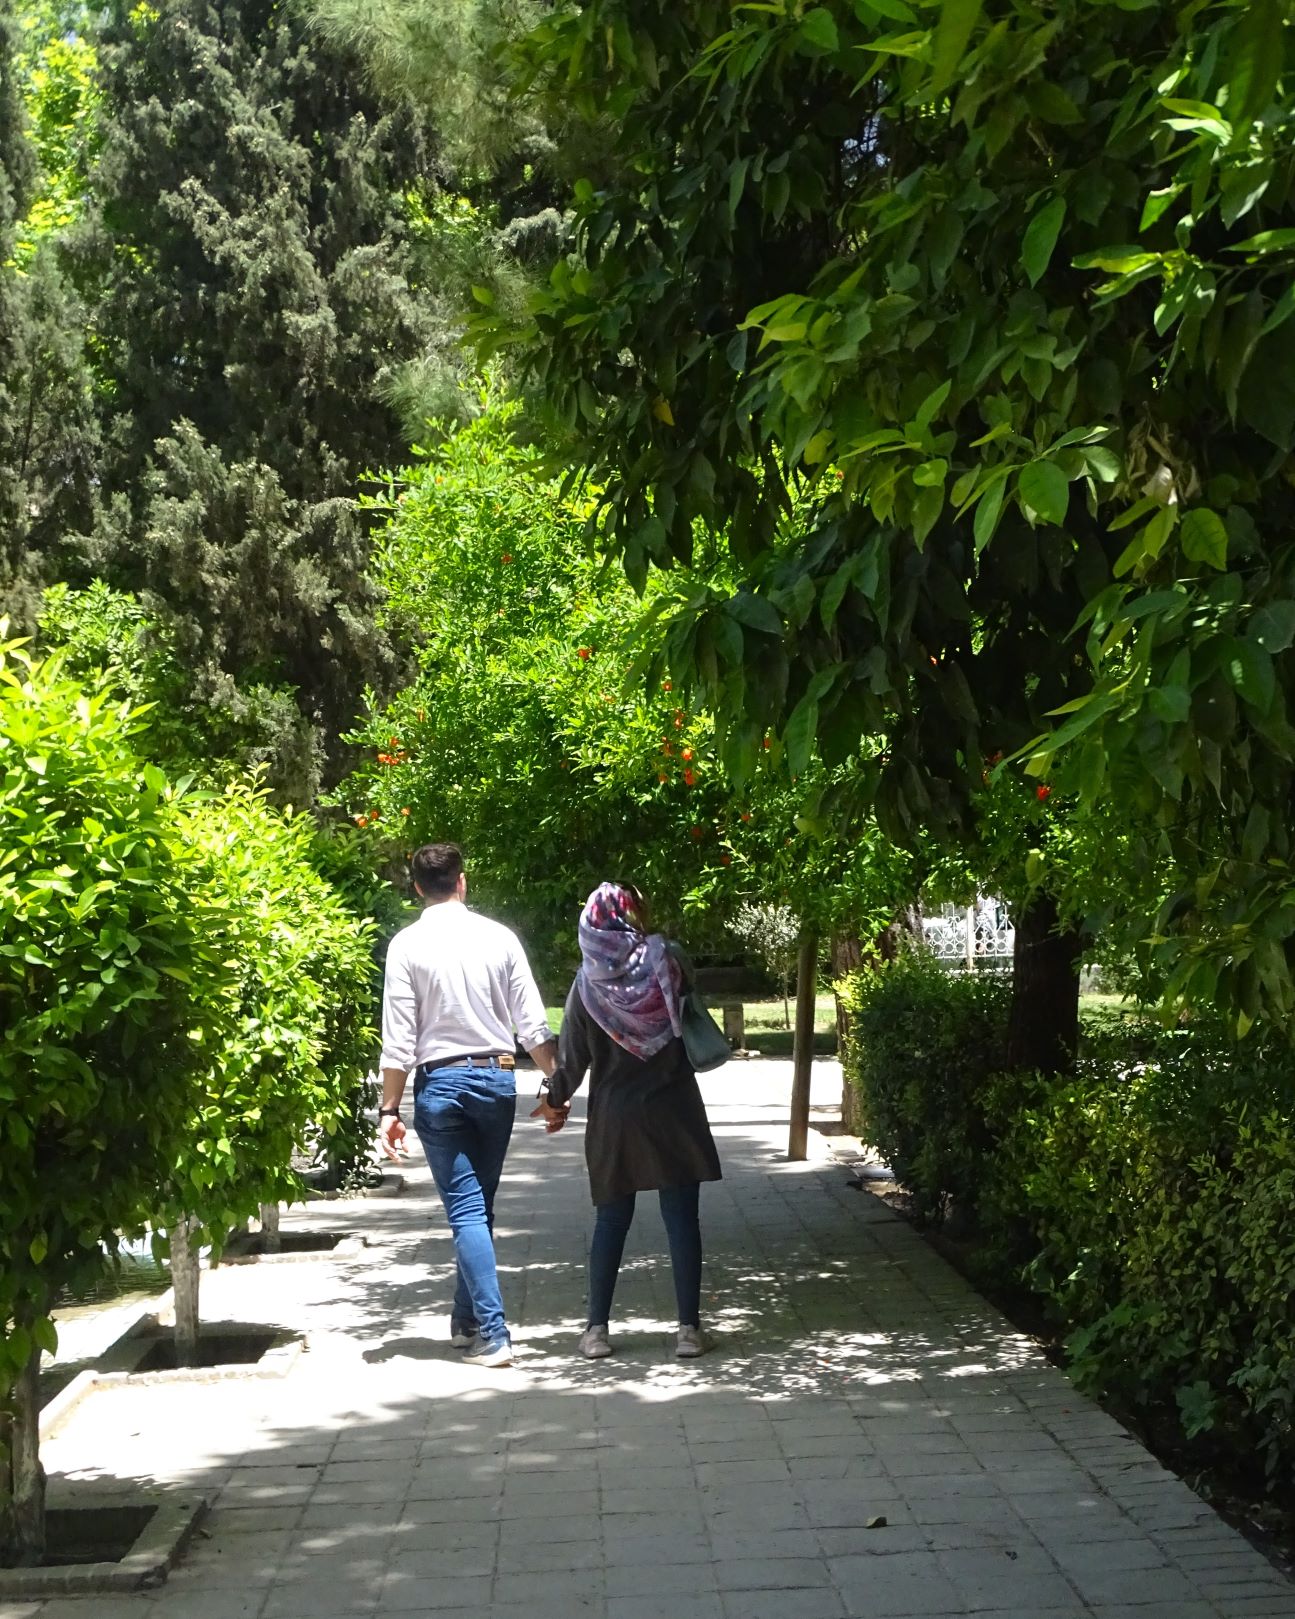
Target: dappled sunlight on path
point(869, 1438)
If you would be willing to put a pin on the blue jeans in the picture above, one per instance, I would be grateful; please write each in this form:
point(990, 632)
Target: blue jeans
point(464, 1119)
point(683, 1232)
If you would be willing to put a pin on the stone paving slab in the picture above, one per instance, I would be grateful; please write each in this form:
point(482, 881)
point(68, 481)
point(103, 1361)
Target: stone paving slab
point(857, 1378)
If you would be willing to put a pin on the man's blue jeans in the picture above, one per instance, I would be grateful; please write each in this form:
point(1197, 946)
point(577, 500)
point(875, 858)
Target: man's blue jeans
point(464, 1119)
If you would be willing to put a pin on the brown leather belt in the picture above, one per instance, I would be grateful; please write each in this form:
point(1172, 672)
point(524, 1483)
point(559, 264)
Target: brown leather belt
point(487, 1060)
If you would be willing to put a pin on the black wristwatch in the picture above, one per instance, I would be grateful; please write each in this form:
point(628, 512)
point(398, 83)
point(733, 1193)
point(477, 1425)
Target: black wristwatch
point(388, 1113)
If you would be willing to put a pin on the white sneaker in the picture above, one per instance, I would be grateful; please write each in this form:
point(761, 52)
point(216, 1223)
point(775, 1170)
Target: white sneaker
point(692, 1342)
point(594, 1344)
point(483, 1354)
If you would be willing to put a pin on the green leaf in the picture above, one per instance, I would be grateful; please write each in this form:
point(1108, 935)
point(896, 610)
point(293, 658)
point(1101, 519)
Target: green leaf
point(38, 1247)
point(1250, 670)
point(818, 28)
point(1281, 311)
point(1104, 464)
point(1266, 241)
point(1204, 537)
point(988, 510)
point(952, 34)
point(757, 611)
point(1157, 202)
point(1041, 238)
point(799, 735)
point(1273, 626)
point(1255, 61)
point(1043, 487)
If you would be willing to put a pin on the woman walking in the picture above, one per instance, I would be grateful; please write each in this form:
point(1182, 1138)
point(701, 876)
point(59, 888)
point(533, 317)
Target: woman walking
point(647, 1129)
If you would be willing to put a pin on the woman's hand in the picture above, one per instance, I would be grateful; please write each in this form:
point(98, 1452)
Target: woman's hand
point(554, 1117)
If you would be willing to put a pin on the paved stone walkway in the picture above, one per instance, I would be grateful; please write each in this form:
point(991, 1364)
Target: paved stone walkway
point(857, 1379)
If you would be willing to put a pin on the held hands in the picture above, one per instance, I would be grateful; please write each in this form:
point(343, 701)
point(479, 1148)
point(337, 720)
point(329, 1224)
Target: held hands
point(391, 1138)
point(554, 1117)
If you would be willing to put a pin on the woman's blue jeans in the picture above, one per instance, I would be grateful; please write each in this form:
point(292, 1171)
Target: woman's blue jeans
point(464, 1119)
point(679, 1210)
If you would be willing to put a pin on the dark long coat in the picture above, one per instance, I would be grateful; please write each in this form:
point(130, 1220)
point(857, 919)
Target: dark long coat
point(647, 1125)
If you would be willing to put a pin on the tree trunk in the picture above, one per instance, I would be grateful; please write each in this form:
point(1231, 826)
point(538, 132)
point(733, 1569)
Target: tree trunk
point(906, 927)
point(184, 1282)
point(270, 1243)
point(1043, 1028)
point(803, 1058)
point(22, 1478)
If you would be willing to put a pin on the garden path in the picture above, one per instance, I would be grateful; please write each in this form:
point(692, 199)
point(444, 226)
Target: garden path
point(857, 1378)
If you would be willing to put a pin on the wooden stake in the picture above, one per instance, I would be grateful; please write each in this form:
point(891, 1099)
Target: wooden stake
point(803, 1051)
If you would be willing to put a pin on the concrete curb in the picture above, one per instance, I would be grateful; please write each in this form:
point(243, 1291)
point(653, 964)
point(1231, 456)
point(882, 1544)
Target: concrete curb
point(146, 1564)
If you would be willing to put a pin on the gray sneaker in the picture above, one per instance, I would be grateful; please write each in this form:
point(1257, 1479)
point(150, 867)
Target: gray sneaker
point(480, 1353)
point(593, 1344)
point(692, 1342)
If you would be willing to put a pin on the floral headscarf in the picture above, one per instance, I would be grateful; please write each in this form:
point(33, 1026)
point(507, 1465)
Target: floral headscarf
point(628, 980)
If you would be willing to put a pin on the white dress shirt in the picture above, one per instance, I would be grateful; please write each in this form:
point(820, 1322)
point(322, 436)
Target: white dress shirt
point(457, 985)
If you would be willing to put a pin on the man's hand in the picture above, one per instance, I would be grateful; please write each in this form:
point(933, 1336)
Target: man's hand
point(391, 1137)
point(554, 1117)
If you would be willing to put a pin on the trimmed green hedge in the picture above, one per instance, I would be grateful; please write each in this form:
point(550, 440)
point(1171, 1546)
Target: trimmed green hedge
point(1148, 1199)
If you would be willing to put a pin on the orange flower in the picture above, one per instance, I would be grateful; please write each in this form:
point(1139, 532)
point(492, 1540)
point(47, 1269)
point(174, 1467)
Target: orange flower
point(766, 743)
point(1043, 792)
point(662, 776)
point(507, 557)
point(667, 685)
point(686, 753)
point(697, 831)
point(746, 815)
point(690, 778)
point(405, 810)
point(584, 653)
point(726, 860)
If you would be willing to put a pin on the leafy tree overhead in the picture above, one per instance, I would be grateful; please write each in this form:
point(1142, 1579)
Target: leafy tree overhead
point(962, 321)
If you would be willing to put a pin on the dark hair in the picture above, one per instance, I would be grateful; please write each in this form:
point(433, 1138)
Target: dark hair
point(436, 869)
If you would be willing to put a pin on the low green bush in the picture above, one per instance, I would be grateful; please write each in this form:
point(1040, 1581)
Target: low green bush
point(1149, 1203)
point(923, 1043)
point(1146, 1199)
point(304, 1035)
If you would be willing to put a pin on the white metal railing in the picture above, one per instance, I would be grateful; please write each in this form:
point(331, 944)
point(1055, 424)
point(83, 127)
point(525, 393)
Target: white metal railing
point(981, 935)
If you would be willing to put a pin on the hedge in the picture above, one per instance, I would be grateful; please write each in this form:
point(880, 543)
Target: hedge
point(1146, 1199)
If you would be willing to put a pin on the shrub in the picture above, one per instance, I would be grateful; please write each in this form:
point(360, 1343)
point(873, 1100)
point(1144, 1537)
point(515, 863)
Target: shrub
point(922, 1044)
point(110, 980)
point(1144, 1198)
point(1151, 1200)
point(304, 1035)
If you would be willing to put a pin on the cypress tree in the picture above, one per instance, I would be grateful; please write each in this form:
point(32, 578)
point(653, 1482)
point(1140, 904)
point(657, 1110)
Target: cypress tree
point(48, 434)
point(16, 169)
point(253, 318)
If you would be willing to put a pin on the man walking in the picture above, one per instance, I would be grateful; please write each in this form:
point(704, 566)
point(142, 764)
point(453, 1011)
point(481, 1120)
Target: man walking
point(457, 985)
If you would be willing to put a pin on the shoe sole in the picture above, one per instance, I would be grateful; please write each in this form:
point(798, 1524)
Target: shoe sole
point(489, 1361)
point(597, 1354)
